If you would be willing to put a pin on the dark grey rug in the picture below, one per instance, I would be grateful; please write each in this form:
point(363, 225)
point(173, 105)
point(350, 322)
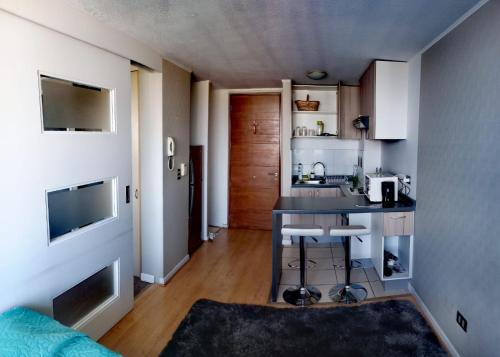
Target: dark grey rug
point(392, 328)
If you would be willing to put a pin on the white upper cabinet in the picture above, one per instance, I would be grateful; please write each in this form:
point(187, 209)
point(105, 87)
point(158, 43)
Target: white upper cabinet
point(384, 98)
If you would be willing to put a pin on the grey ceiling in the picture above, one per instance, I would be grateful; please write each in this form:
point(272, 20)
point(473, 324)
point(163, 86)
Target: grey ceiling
point(256, 43)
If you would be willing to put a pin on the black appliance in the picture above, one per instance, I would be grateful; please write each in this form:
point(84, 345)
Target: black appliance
point(195, 197)
point(388, 188)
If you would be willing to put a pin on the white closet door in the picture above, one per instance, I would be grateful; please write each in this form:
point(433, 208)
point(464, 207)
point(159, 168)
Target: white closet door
point(33, 268)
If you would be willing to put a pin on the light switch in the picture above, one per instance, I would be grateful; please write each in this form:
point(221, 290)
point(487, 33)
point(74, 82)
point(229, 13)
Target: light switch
point(183, 169)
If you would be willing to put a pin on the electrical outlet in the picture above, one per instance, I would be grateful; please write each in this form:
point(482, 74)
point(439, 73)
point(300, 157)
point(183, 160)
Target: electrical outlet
point(461, 321)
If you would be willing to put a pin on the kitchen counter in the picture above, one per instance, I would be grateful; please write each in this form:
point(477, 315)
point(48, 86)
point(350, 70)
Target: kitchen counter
point(315, 185)
point(349, 203)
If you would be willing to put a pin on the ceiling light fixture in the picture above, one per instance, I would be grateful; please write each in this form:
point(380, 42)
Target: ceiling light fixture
point(316, 74)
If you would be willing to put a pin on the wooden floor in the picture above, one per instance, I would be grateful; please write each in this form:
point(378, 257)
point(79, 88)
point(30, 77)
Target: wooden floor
point(236, 267)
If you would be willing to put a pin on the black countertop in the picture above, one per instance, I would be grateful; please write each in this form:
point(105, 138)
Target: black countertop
point(315, 185)
point(337, 205)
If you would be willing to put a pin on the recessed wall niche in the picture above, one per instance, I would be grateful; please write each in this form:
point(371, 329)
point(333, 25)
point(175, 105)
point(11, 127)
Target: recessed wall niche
point(71, 106)
point(75, 304)
point(76, 207)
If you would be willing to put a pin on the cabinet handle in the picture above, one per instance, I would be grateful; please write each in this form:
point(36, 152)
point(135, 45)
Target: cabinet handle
point(310, 193)
point(317, 193)
point(402, 217)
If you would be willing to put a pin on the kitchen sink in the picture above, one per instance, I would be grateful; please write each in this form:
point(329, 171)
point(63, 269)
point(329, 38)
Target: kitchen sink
point(314, 182)
point(311, 182)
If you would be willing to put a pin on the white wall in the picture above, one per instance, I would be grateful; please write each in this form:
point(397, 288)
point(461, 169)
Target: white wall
point(32, 271)
point(151, 163)
point(218, 158)
point(200, 112)
point(401, 156)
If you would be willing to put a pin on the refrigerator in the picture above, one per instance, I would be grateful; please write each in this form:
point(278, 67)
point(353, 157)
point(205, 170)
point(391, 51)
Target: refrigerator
point(195, 197)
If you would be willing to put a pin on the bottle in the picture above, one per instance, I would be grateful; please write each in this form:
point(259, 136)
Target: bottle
point(321, 127)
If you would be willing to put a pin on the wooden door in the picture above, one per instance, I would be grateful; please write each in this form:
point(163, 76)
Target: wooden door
point(349, 109)
point(254, 165)
point(367, 97)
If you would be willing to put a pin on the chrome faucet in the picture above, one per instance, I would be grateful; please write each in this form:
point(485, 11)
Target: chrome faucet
point(319, 163)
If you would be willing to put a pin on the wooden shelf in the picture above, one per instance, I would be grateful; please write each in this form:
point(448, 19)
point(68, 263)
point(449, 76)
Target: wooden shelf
point(311, 112)
point(397, 276)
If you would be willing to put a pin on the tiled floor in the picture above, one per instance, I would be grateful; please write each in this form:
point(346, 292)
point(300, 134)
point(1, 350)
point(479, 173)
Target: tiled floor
point(329, 270)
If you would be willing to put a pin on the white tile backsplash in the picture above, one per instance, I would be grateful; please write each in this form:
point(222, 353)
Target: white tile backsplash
point(337, 161)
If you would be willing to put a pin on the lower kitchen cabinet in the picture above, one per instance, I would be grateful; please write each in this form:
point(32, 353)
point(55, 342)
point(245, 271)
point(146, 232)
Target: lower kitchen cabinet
point(324, 220)
point(393, 233)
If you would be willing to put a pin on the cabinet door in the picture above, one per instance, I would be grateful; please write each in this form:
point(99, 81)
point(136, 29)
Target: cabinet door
point(326, 220)
point(367, 92)
point(384, 98)
point(349, 109)
point(398, 224)
point(302, 218)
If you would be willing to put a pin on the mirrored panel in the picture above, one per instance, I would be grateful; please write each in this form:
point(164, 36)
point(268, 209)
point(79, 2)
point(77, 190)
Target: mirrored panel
point(76, 207)
point(70, 106)
point(77, 302)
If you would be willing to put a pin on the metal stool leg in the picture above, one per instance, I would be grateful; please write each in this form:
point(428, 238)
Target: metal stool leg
point(302, 295)
point(295, 264)
point(348, 293)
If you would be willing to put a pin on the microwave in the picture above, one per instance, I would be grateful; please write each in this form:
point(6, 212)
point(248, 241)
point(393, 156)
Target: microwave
point(373, 186)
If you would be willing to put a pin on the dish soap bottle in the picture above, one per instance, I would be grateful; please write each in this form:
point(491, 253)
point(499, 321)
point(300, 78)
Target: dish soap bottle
point(321, 127)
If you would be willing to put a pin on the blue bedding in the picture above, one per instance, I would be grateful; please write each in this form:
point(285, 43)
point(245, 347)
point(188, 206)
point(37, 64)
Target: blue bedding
point(24, 332)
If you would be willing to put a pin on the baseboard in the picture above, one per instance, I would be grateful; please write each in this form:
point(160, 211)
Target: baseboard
point(148, 278)
point(172, 272)
point(434, 323)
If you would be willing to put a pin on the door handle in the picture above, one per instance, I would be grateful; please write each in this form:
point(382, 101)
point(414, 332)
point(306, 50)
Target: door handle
point(254, 127)
point(275, 174)
point(136, 194)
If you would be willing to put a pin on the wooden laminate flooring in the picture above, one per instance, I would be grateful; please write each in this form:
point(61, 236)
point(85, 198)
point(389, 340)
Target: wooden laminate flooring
point(235, 268)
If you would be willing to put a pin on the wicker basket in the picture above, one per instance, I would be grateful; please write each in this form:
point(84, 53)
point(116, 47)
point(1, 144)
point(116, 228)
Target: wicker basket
point(307, 105)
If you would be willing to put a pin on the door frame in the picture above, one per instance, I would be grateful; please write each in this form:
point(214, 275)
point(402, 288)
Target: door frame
point(136, 168)
point(254, 92)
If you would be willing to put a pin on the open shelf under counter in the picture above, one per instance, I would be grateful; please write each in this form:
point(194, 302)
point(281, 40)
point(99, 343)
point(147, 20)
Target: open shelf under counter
point(396, 240)
point(397, 276)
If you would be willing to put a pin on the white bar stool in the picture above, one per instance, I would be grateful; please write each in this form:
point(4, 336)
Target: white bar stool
point(302, 295)
point(348, 293)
